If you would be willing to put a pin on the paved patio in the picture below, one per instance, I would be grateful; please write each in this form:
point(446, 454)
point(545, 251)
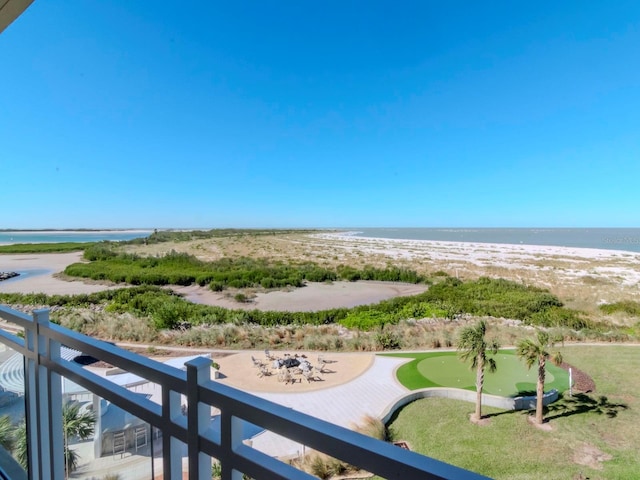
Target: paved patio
point(345, 405)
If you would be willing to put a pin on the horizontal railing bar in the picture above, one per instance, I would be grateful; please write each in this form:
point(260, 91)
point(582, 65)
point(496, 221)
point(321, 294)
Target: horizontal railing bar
point(258, 465)
point(13, 342)
point(355, 448)
point(147, 368)
point(128, 400)
point(255, 463)
point(10, 469)
point(14, 316)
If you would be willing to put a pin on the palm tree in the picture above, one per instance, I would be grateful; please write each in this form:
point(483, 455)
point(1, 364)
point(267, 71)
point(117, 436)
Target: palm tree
point(75, 424)
point(21, 448)
point(536, 351)
point(473, 347)
point(7, 438)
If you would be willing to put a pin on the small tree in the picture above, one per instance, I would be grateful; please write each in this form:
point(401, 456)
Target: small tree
point(7, 437)
point(473, 347)
point(536, 351)
point(75, 424)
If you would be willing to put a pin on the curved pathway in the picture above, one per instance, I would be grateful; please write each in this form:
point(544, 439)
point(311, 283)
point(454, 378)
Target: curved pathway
point(344, 405)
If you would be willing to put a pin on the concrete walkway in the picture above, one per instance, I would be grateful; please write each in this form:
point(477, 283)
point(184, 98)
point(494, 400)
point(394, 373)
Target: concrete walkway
point(345, 405)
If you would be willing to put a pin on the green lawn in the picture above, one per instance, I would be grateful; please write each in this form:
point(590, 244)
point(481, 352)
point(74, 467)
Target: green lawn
point(445, 369)
point(510, 448)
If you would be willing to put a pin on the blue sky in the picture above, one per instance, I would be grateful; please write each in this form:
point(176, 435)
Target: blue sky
point(320, 114)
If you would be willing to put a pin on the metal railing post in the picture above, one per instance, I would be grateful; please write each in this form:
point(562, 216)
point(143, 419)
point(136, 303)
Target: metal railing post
point(230, 438)
point(32, 414)
point(198, 418)
point(44, 404)
point(54, 403)
point(171, 447)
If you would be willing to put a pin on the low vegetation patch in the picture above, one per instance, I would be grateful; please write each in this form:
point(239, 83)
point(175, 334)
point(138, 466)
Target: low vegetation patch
point(506, 299)
point(629, 307)
point(64, 247)
point(164, 236)
point(484, 297)
point(184, 269)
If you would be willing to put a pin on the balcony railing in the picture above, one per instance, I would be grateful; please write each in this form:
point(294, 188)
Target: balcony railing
point(181, 422)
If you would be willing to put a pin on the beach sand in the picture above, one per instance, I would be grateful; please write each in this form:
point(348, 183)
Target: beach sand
point(237, 370)
point(312, 297)
point(38, 274)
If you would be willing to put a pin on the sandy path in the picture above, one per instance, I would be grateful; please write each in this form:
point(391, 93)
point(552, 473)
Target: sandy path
point(36, 274)
point(312, 297)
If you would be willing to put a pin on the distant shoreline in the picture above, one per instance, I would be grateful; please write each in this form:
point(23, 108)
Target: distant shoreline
point(533, 248)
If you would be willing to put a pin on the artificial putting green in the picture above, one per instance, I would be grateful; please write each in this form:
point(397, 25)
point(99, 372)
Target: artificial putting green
point(445, 369)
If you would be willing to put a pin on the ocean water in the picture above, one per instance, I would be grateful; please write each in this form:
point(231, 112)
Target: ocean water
point(627, 239)
point(7, 237)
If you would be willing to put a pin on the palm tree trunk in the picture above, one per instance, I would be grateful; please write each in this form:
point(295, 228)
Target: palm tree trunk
point(479, 385)
point(540, 390)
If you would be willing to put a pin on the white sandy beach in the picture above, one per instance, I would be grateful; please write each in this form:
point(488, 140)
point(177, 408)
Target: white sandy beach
point(565, 263)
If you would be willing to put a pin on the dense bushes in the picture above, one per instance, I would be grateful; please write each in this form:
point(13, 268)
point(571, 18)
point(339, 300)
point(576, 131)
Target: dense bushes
point(493, 297)
point(389, 274)
point(183, 269)
point(483, 297)
point(99, 251)
point(62, 247)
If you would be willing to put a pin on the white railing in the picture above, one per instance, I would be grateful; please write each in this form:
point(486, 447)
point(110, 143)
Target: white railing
point(43, 396)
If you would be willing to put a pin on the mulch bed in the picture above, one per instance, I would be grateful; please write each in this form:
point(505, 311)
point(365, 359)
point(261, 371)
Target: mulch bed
point(581, 381)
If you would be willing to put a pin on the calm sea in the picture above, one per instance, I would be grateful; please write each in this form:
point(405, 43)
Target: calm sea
point(608, 238)
point(70, 236)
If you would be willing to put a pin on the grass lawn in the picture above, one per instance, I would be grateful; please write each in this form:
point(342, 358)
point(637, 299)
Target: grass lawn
point(586, 429)
point(445, 369)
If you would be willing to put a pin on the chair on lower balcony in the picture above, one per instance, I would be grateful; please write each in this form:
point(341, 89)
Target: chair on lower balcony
point(119, 443)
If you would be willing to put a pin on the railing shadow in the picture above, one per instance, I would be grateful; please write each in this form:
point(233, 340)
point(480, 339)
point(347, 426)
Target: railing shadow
point(583, 403)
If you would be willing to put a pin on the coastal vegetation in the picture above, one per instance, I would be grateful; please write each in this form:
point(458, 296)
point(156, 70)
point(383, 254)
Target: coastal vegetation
point(177, 268)
point(496, 298)
point(165, 236)
point(430, 319)
point(157, 237)
point(63, 247)
point(629, 307)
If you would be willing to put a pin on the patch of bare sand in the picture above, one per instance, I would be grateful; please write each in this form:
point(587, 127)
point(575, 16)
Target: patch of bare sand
point(238, 371)
point(590, 456)
point(38, 274)
point(312, 297)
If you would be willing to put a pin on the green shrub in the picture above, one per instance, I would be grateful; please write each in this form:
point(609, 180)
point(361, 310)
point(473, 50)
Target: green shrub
point(628, 307)
point(365, 320)
point(560, 317)
point(387, 340)
point(241, 297)
point(492, 297)
point(62, 247)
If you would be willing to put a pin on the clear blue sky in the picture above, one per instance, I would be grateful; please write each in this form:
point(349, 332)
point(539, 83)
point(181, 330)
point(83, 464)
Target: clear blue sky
point(320, 113)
